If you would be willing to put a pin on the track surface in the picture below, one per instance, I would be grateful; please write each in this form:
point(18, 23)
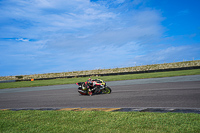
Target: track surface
point(179, 92)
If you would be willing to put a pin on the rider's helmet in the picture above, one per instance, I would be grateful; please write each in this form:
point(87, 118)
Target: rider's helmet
point(89, 79)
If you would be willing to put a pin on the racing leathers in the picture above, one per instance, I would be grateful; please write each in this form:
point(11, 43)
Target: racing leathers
point(89, 84)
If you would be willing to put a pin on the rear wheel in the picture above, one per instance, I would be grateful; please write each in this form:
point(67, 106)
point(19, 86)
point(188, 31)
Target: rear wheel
point(106, 90)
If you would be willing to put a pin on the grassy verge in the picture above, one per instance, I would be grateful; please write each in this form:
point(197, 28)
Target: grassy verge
point(97, 121)
point(106, 78)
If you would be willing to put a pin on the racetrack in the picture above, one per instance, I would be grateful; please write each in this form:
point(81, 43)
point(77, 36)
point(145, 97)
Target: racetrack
point(178, 92)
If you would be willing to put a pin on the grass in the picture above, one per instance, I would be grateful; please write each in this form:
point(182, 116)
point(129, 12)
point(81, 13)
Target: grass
point(106, 78)
point(97, 121)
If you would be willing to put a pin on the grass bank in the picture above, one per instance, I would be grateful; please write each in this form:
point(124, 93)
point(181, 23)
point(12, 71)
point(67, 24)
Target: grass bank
point(105, 71)
point(97, 121)
point(106, 78)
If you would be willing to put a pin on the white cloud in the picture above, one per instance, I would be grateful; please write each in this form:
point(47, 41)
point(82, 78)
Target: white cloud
point(22, 39)
point(166, 54)
point(68, 33)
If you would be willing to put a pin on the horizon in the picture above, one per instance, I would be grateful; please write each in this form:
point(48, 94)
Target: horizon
point(45, 36)
point(107, 69)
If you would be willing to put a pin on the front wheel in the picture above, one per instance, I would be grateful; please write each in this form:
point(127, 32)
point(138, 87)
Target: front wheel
point(106, 90)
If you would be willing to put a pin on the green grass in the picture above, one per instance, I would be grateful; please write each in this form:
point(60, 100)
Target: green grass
point(106, 78)
point(97, 121)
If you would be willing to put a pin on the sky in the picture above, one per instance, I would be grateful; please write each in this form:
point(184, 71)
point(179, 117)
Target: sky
point(50, 36)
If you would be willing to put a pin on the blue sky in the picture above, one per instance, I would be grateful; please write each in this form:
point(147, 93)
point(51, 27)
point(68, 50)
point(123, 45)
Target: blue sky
point(47, 36)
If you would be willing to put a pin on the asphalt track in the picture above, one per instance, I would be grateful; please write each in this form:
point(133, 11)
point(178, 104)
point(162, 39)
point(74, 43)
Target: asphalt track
point(170, 93)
